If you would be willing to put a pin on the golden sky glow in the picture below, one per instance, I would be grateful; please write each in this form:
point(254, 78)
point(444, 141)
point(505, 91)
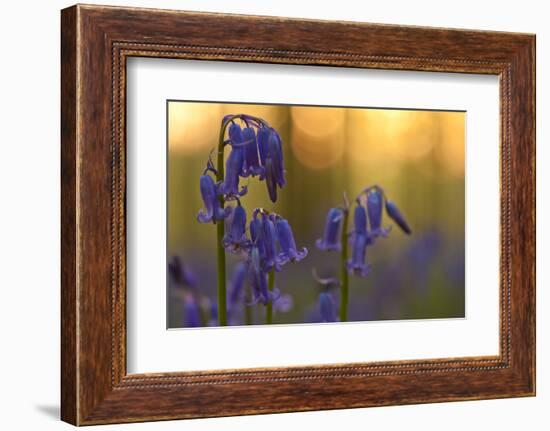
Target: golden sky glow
point(320, 137)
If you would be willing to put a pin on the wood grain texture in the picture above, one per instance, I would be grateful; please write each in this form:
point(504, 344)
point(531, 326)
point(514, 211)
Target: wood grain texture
point(96, 41)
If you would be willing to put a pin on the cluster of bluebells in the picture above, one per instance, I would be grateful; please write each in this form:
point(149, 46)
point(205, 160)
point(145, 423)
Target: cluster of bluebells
point(256, 151)
point(367, 228)
point(267, 242)
point(367, 220)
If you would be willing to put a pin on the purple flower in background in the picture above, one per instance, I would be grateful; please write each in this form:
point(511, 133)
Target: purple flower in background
point(251, 166)
point(283, 304)
point(237, 283)
point(374, 207)
point(327, 307)
point(191, 312)
point(289, 252)
point(212, 211)
point(331, 235)
point(394, 213)
point(235, 240)
point(180, 274)
point(357, 265)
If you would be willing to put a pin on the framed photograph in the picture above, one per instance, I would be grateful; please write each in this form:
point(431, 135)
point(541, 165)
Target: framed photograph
point(266, 215)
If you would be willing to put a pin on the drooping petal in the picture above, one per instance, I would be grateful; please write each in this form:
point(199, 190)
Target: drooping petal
point(233, 167)
point(270, 242)
point(327, 307)
point(331, 235)
point(251, 166)
point(270, 180)
point(275, 153)
point(258, 278)
point(394, 213)
point(209, 198)
point(289, 252)
point(357, 265)
point(235, 240)
point(263, 137)
point(360, 220)
point(236, 137)
point(374, 207)
point(256, 235)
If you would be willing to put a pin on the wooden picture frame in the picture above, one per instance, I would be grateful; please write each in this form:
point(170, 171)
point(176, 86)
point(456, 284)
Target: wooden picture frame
point(95, 43)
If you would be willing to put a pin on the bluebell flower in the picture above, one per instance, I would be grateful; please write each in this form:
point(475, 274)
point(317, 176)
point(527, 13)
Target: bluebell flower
point(257, 235)
point(258, 278)
point(212, 211)
point(263, 136)
point(269, 236)
point(251, 166)
point(360, 220)
point(357, 265)
point(233, 168)
point(275, 152)
point(180, 274)
point(236, 137)
point(283, 304)
point(331, 235)
point(191, 312)
point(327, 307)
point(394, 213)
point(271, 156)
point(270, 180)
point(374, 207)
point(235, 240)
point(289, 252)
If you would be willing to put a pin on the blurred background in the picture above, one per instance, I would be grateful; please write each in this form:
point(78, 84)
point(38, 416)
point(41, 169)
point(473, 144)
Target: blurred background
point(417, 157)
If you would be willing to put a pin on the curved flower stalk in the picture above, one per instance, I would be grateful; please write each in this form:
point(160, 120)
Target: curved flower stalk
point(330, 240)
point(367, 219)
point(255, 151)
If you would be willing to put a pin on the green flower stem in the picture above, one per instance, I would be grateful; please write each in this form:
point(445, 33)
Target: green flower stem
point(220, 232)
point(344, 276)
point(269, 306)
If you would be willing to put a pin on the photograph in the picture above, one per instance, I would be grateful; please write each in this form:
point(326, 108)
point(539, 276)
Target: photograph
point(301, 214)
